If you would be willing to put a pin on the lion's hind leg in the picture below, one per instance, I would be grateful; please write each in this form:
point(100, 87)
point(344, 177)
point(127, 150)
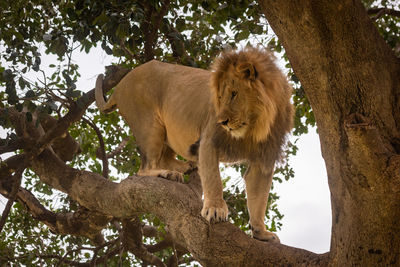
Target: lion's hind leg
point(153, 166)
point(153, 152)
point(169, 161)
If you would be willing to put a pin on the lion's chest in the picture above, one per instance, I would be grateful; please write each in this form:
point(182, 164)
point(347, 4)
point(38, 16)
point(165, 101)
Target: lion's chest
point(242, 150)
point(231, 149)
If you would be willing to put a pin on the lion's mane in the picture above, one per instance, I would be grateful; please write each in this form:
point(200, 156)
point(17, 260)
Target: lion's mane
point(275, 109)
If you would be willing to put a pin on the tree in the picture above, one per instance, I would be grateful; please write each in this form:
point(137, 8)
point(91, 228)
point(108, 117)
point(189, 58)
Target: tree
point(350, 76)
point(349, 73)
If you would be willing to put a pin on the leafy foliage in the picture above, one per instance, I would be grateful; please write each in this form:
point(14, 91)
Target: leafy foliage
point(387, 24)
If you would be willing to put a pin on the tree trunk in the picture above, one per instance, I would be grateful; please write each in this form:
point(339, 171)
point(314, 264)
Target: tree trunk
point(351, 78)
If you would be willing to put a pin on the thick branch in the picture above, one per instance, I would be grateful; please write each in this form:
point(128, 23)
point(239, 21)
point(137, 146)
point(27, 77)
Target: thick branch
point(151, 25)
point(178, 205)
point(132, 240)
point(80, 223)
point(8, 167)
point(11, 146)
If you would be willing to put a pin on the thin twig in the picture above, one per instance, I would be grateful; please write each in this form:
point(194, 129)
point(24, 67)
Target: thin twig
point(108, 253)
point(53, 256)
point(379, 12)
point(118, 149)
point(102, 147)
point(17, 182)
point(128, 52)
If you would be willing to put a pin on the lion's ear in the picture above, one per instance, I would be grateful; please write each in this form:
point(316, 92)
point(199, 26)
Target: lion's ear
point(247, 70)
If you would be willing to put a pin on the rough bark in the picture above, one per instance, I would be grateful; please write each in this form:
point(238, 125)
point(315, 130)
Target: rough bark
point(351, 78)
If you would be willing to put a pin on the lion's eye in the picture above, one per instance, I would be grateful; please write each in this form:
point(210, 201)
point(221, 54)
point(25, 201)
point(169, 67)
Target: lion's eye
point(234, 93)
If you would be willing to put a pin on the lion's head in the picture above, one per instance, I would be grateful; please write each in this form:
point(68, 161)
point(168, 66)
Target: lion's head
point(247, 89)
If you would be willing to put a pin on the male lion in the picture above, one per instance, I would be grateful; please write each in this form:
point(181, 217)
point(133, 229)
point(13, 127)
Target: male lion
point(238, 112)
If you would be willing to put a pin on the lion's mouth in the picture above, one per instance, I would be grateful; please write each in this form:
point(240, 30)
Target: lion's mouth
point(237, 131)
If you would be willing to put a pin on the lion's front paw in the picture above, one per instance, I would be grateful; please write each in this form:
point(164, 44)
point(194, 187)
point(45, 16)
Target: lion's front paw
point(264, 235)
point(172, 175)
point(215, 210)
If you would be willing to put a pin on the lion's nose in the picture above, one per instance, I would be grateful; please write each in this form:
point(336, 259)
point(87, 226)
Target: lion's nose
point(225, 122)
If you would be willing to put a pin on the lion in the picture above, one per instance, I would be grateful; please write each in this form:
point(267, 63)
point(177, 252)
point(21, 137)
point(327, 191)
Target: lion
point(240, 111)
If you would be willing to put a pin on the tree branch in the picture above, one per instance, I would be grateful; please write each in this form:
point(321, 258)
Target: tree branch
point(10, 146)
point(151, 25)
point(118, 149)
point(178, 205)
point(7, 168)
point(102, 147)
point(82, 223)
point(377, 13)
point(132, 240)
point(63, 259)
point(34, 142)
point(17, 182)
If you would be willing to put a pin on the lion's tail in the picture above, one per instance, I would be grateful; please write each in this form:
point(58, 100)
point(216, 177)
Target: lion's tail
point(103, 106)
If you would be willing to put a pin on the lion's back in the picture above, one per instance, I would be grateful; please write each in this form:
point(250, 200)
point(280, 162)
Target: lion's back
point(176, 96)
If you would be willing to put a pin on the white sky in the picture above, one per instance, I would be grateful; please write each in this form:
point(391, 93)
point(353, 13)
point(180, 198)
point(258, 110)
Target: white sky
point(304, 200)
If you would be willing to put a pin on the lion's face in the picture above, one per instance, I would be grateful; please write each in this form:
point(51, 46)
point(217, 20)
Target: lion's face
point(240, 103)
point(233, 111)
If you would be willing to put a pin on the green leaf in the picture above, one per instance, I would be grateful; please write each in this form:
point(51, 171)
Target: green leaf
point(122, 30)
point(101, 19)
point(30, 94)
point(180, 24)
point(8, 75)
point(242, 35)
point(52, 105)
point(21, 83)
point(106, 48)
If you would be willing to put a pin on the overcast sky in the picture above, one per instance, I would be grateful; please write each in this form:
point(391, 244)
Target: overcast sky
point(304, 200)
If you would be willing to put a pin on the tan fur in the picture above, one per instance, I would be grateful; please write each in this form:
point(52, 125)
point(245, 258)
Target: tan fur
point(240, 111)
